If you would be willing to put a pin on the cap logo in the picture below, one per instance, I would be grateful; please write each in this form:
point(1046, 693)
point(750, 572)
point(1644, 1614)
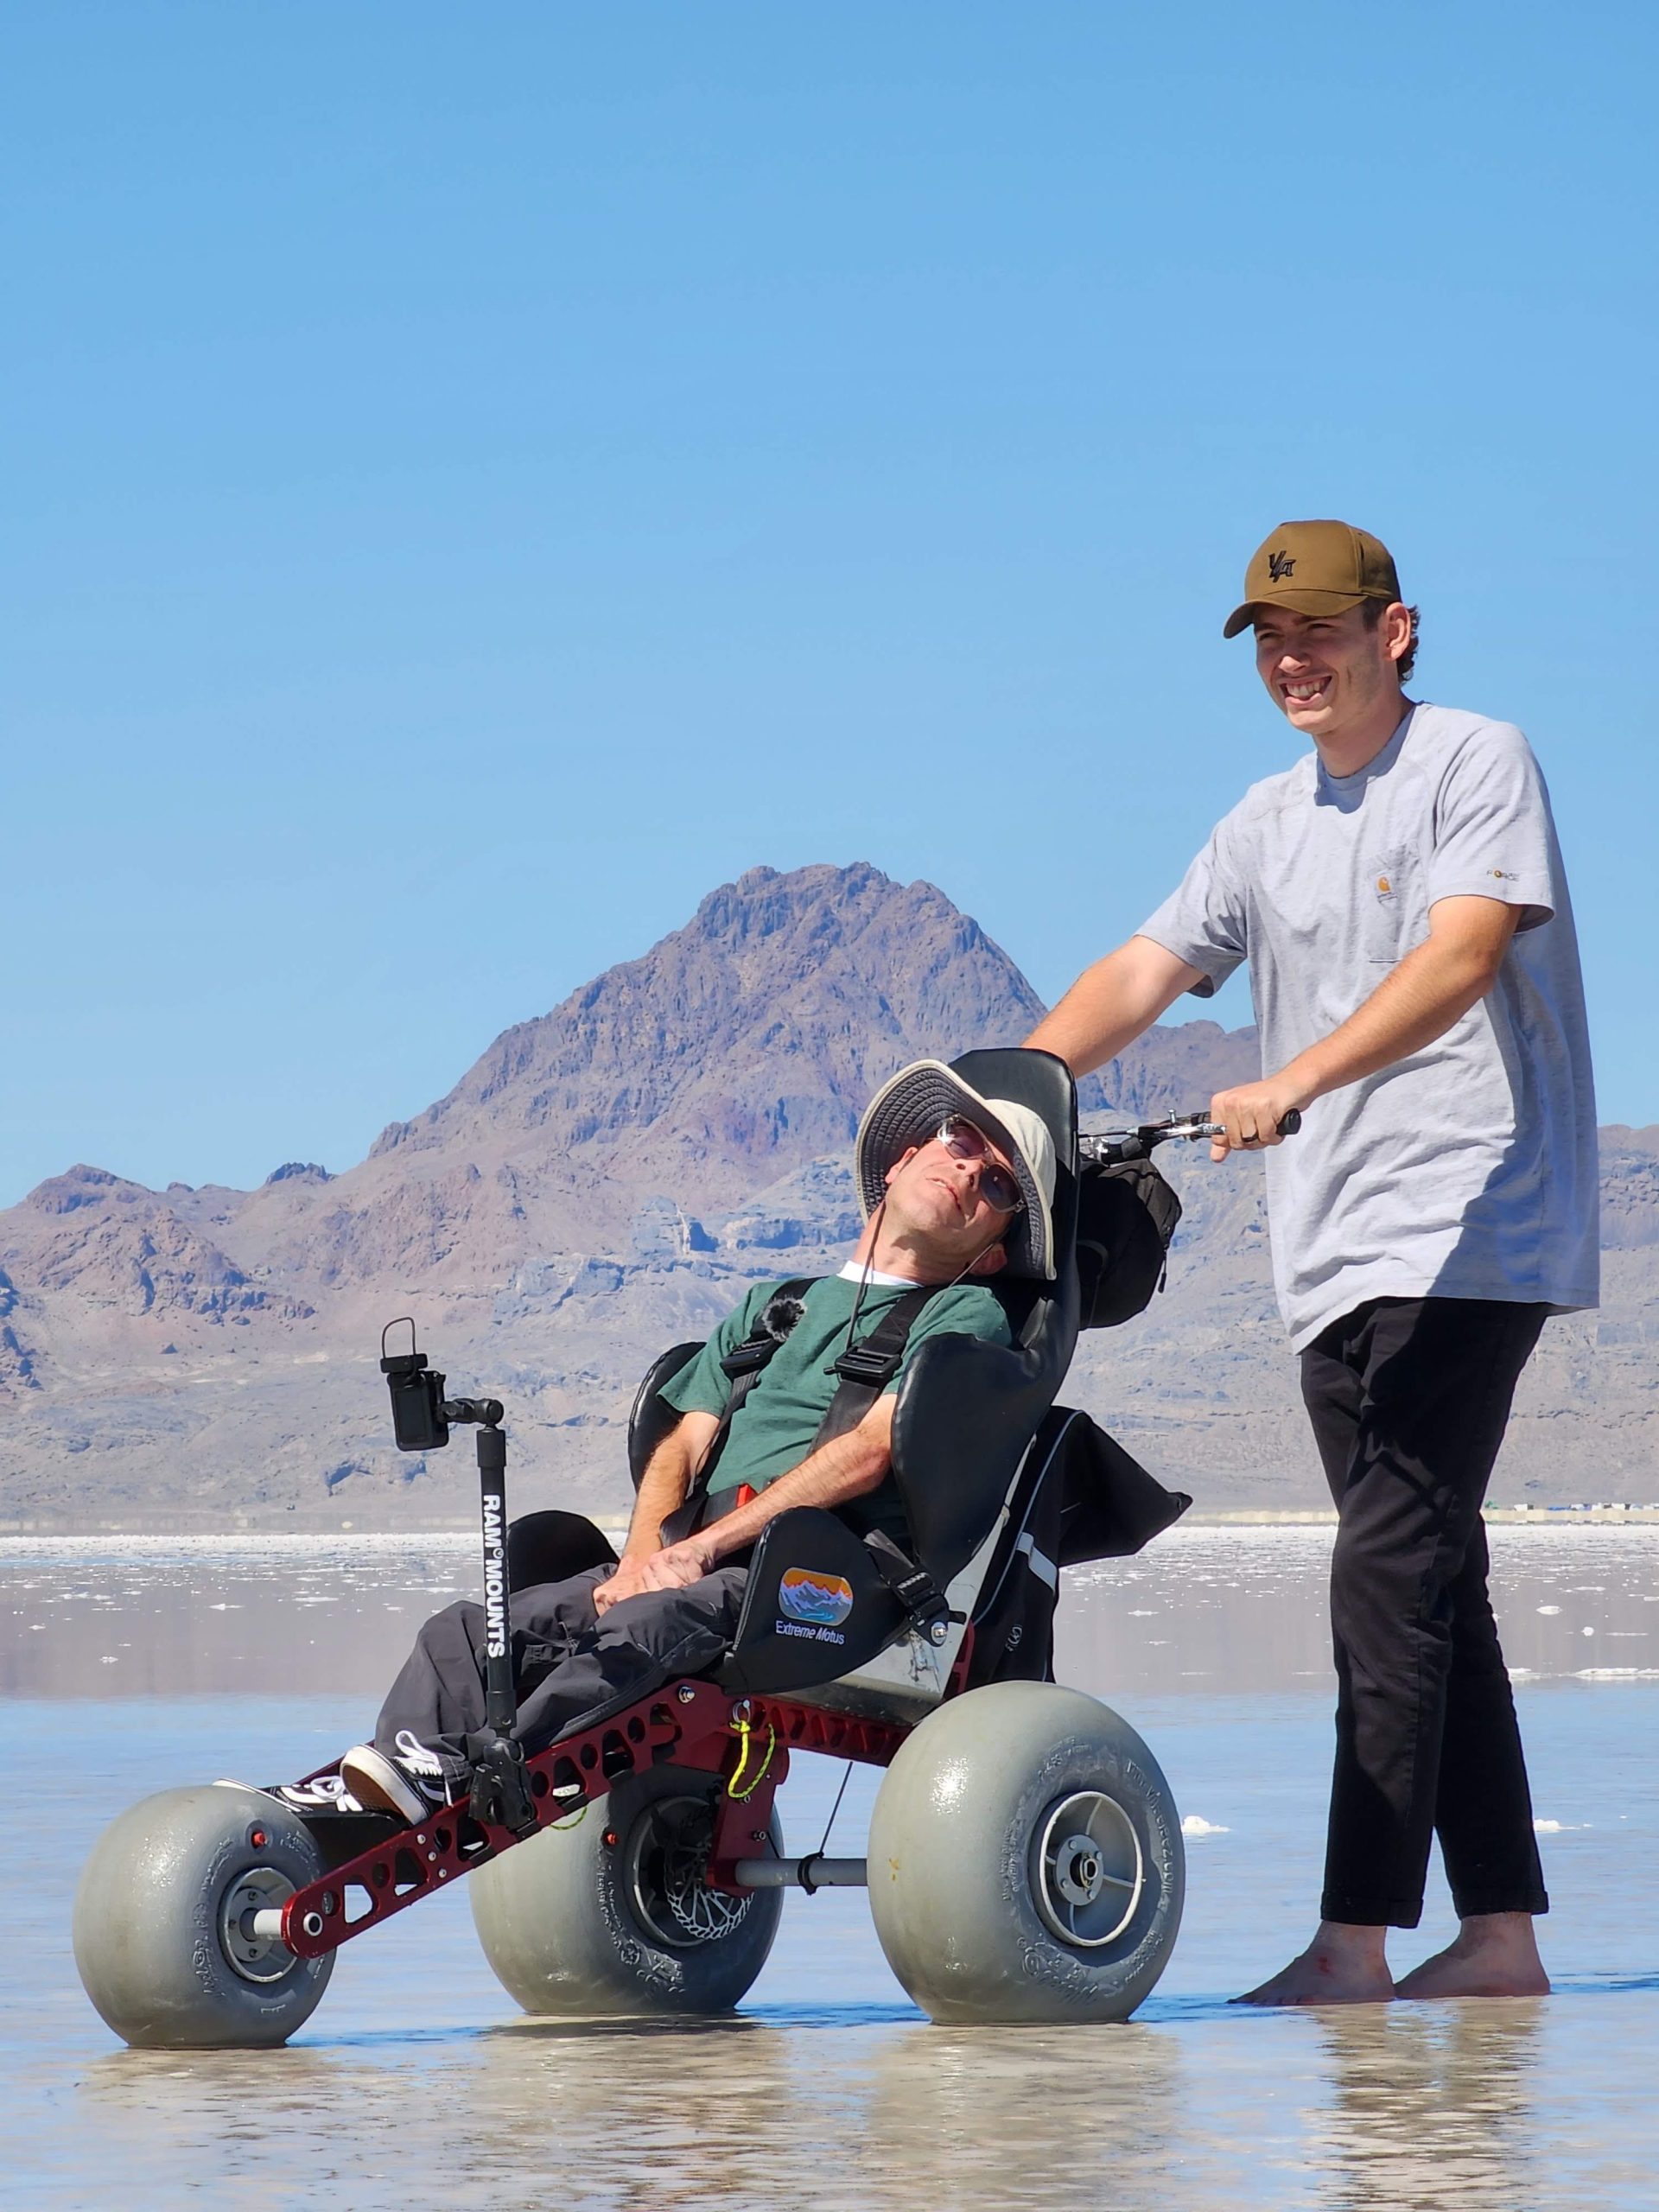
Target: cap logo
point(1281, 565)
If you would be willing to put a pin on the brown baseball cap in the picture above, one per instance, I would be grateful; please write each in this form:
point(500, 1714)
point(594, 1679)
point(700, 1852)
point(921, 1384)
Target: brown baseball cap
point(1315, 568)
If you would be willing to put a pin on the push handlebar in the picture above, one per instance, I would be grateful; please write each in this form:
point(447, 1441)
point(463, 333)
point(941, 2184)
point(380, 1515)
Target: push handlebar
point(1114, 1145)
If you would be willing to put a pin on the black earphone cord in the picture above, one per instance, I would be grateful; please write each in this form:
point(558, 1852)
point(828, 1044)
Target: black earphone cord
point(864, 1278)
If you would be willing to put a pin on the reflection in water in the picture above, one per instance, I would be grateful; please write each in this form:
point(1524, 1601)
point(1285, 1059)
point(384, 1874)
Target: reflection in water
point(1432, 2106)
point(1039, 2117)
point(748, 2113)
point(1347, 2111)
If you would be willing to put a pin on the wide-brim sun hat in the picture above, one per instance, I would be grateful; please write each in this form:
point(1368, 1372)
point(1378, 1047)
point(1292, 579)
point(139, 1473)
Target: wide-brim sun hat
point(908, 1110)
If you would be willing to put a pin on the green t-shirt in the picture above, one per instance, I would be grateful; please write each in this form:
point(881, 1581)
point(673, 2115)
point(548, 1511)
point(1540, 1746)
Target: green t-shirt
point(774, 1428)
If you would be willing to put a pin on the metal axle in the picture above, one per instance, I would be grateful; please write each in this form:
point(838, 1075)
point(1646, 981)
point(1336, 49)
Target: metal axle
point(809, 1874)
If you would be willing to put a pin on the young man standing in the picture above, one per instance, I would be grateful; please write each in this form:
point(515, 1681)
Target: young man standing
point(1399, 898)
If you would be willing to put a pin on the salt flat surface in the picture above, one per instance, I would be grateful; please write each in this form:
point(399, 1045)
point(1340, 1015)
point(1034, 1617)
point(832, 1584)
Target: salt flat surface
point(416, 2082)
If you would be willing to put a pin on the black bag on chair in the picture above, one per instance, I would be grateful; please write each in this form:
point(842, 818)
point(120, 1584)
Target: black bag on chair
point(1127, 1214)
point(1112, 1507)
point(1080, 1496)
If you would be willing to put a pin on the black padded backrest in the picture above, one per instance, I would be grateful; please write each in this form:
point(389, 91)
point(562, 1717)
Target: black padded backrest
point(968, 1409)
point(1043, 1083)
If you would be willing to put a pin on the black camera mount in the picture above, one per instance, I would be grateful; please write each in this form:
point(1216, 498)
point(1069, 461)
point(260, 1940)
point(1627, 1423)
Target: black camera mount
point(422, 1418)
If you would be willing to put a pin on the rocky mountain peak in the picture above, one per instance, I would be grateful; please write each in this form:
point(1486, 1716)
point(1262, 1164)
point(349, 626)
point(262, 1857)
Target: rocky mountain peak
point(81, 1185)
point(753, 1034)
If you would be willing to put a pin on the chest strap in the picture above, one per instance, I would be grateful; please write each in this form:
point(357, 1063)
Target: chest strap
point(742, 1367)
point(866, 1369)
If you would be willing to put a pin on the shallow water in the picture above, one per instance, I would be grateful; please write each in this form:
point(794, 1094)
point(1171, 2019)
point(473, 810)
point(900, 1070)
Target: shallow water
point(416, 2082)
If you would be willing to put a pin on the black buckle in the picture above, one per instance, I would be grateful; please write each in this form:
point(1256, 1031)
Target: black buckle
point(754, 1352)
point(925, 1604)
point(860, 1364)
point(921, 1597)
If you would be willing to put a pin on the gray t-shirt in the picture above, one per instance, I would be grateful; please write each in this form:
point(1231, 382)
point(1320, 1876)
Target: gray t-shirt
point(1468, 1169)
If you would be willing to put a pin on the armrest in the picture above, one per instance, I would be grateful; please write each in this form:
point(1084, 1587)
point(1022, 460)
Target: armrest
point(815, 1607)
point(967, 1410)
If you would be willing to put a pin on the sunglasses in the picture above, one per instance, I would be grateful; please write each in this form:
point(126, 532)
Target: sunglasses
point(998, 1185)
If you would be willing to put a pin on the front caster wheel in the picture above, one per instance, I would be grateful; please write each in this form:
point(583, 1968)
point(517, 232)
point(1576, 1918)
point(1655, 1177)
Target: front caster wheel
point(611, 1917)
point(164, 1932)
point(1026, 1860)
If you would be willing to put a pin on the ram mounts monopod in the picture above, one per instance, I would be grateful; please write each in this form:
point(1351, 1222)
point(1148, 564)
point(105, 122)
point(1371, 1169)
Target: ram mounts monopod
point(422, 1418)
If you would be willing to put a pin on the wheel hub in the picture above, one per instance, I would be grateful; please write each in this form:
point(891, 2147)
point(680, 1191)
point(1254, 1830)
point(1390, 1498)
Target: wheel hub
point(255, 1957)
point(1077, 1872)
point(1087, 1869)
point(667, 1870)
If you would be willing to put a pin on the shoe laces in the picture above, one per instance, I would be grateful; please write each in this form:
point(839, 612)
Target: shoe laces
point(326, 1789)
point(414, 1754)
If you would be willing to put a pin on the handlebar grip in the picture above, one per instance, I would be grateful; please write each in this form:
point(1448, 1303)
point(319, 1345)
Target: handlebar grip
point(1287, 1127)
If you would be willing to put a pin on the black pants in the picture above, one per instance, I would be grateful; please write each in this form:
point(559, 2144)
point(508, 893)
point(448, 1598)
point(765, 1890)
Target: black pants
point(1409, 1398)
point(572, 1666)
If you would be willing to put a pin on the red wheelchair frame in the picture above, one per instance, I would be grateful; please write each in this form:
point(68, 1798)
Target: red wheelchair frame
point(694, 1725)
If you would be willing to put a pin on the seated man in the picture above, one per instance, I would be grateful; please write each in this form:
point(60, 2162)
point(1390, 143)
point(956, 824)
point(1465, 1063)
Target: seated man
point(954, 1187)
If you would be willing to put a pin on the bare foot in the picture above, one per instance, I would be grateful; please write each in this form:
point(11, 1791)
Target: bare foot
point(1343, 1965)
point(1495, 1954)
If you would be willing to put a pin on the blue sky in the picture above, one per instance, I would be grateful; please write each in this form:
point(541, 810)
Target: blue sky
point(477, 478)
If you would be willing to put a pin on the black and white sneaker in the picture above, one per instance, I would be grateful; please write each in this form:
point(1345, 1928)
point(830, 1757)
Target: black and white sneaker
point(325, 1793)
point(409, 1781)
